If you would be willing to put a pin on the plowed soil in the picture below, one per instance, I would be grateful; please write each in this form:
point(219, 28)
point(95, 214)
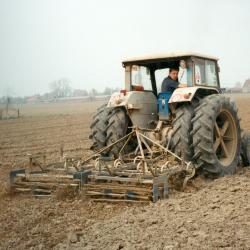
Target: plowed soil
point(208, 215)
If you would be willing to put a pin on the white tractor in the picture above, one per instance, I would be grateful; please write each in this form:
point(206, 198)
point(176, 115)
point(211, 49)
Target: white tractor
point(198, 123)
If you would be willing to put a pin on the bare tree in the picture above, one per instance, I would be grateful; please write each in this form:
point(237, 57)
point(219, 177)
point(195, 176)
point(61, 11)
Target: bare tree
point(110, 91)
point(107, 91)
point(61, 88)
point(93, 92)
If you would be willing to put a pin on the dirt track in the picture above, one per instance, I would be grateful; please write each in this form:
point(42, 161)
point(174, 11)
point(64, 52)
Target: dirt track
point(210, 215)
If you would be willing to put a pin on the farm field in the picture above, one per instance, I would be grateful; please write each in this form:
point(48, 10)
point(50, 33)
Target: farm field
point(209, 215)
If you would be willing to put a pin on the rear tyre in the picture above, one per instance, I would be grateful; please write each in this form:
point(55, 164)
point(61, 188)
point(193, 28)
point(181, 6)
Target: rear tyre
point(117, 128)
point(216, 136)
point(245, 149)
point(181, 137)
point(99, 128)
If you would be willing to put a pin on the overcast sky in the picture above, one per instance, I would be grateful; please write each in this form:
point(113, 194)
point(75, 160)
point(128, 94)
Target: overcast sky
point(85, 41)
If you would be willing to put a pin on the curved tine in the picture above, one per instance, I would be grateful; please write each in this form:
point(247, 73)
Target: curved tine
point(190, 175)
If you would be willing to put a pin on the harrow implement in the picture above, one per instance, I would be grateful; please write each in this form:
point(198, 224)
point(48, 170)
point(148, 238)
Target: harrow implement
point(147, 174)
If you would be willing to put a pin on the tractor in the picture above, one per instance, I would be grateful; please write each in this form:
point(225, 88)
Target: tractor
point(197, 122)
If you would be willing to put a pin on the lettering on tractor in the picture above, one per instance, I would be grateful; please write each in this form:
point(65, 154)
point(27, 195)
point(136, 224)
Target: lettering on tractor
point(147, 141)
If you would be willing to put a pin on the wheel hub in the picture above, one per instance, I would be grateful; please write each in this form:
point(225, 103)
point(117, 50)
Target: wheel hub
point(225, 138)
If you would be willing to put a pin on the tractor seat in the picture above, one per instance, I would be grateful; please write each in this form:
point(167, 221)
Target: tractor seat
point(162, 103)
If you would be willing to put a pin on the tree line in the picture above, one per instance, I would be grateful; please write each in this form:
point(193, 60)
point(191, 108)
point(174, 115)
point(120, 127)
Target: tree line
point(59, 89)
point(62, 88)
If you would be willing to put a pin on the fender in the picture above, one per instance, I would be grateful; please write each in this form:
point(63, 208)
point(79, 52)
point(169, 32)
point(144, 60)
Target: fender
point(120, 100)
point(187, 94)
point(141, 106)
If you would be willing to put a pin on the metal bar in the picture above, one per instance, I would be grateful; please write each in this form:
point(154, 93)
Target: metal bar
point(82, 176)
point(160, 146)
point(139, 143)
point(105, 148)
point(125, 187)
point(125, 143)
point(155, 192)
point(14, 173)
point(122, 195)
point(121, 179)
point(120, 200)
point(147, 146)
point(44, 184)
point(165, 189)
point(36, 176)
point(109, 168)
point(136, 150)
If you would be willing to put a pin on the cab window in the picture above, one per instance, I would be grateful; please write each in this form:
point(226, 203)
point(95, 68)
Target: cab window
point(205, 73)
point(184, 75)
point(140, 78)
point(210, 71)
point(160, 75)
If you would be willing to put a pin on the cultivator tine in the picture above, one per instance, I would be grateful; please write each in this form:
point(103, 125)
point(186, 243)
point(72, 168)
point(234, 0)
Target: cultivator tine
point(34, 161)
point(139, 142)
point(191, 173)
point(125, 144)
point(147, 146)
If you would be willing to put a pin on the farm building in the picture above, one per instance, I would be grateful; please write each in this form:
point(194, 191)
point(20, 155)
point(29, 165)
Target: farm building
point(34, 98)
point(246, 86)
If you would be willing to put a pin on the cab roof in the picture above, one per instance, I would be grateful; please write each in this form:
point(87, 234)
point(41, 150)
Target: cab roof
point(172, 55)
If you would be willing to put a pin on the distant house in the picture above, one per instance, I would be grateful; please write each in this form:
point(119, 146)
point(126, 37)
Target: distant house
point(246, 86)
point(235, 90)
point(34, 98)
point(80, 92)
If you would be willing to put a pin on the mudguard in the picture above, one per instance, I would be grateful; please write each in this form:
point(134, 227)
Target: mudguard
point(186, 94)
point(141, 106)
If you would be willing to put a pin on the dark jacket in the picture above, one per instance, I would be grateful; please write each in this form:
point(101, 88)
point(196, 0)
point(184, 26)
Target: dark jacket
point(169, 85)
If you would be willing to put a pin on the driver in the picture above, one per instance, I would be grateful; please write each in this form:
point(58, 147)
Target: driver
point(170, 83)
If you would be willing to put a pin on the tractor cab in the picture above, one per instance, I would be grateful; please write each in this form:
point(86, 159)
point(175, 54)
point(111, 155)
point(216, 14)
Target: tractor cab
point(147, 73)
point(142, 98)
point(196, 72)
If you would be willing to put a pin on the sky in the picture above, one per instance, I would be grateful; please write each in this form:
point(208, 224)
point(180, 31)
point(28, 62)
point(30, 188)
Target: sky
point(85, 41)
